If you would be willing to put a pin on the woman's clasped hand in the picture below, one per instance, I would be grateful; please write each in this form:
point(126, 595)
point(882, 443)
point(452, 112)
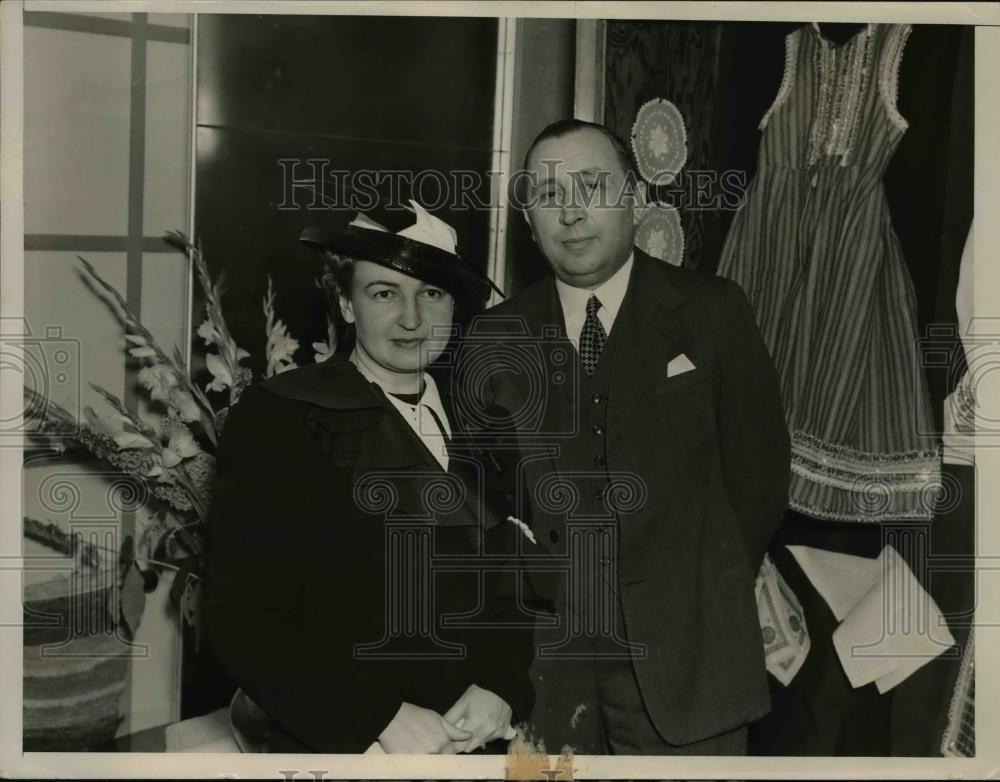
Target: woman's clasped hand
point(478, 716)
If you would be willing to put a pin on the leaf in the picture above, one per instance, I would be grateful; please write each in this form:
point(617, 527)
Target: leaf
point(161, 549)
point(48, 535)
point(110, 398)
point(151, 580)
point(189, 608)
point(184, 568)
point(185, 594)
point(126, 556)
point(131, 595)
point(177, 239)
point(132, 599)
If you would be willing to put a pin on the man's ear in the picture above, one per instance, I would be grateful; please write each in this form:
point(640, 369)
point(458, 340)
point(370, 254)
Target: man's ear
point(641, 201)
point(524, 214)
point(347, 309)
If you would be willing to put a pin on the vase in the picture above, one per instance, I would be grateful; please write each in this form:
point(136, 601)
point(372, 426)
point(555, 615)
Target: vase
point(75, 663)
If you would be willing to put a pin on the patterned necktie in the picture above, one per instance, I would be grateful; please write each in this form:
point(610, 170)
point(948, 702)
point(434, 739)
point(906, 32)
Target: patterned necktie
point(593, 337)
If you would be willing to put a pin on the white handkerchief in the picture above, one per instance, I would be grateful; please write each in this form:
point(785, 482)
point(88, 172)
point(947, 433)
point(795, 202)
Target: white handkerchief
point(889, 680)
point(895, 629)
point(890, 627)
point(841, 579)
point(678, 365)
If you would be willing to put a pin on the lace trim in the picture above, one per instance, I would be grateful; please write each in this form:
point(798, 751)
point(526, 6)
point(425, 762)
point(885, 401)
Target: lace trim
point(855, 482)
point(823, 67)
point(893, 514)
point(952, 744)
point(963, 404)
point(846, 456)
point(878, 486)
point(852, 89)
point(889, 76)
point(843, 75)
point(788, 78)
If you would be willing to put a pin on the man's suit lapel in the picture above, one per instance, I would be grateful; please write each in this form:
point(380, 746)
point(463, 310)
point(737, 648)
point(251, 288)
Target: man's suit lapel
point(561, 402)
point(648, 332)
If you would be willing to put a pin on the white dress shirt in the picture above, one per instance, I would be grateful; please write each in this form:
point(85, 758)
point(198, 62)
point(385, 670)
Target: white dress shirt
point(611, 293)
point(419, 416)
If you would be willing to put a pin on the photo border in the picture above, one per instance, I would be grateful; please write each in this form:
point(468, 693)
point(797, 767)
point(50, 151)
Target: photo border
point(161, 765)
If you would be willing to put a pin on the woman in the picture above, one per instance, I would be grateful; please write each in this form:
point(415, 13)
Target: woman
point(341, 488)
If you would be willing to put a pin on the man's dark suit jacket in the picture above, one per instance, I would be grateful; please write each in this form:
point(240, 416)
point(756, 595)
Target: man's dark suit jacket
point(311, 465)
point(712, 449)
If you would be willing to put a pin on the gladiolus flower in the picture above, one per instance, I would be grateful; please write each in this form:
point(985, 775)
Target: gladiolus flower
point(159, 380)
point(208, 332)
point(127, 440)
point(185, 405)
point(280, 348)
point(221, 378)
point(157, 471)
point(183, 444)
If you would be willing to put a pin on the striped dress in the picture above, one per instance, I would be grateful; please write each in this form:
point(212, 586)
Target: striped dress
point(814, 248)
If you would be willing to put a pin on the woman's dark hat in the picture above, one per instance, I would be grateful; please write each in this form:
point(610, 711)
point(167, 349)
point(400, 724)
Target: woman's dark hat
point(426, 250)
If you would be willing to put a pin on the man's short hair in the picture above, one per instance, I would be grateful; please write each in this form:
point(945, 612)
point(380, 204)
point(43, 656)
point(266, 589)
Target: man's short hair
point(564, 127)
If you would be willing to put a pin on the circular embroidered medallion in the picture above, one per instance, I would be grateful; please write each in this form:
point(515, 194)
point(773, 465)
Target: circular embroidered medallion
point(659, 141)
point(660, 234)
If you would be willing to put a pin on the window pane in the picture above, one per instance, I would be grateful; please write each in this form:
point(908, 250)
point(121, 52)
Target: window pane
point(76, 131)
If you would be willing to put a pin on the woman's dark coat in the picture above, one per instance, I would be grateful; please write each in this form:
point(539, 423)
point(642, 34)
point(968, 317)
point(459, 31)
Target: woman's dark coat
point(326, 506)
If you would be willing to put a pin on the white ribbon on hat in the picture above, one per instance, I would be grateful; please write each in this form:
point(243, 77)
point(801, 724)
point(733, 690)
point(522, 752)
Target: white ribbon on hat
point(428, 229)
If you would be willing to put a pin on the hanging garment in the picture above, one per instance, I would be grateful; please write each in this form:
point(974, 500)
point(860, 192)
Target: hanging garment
point(814, 249)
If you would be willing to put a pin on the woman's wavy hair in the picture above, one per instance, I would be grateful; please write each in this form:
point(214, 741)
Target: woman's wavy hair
point(336, 279)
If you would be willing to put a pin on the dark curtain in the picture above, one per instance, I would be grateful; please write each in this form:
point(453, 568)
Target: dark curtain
point(723, 76)
point(679, 61)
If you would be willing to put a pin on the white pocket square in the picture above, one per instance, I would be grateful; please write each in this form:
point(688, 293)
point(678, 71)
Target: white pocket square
point(679, 365)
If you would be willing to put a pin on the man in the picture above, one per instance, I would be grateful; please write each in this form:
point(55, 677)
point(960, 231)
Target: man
point(659, 473)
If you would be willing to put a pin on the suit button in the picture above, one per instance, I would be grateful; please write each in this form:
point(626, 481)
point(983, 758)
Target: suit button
point(553, 536)
point(598, 429)
point(598, 461)
point(597, 399)
point(605, 561)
